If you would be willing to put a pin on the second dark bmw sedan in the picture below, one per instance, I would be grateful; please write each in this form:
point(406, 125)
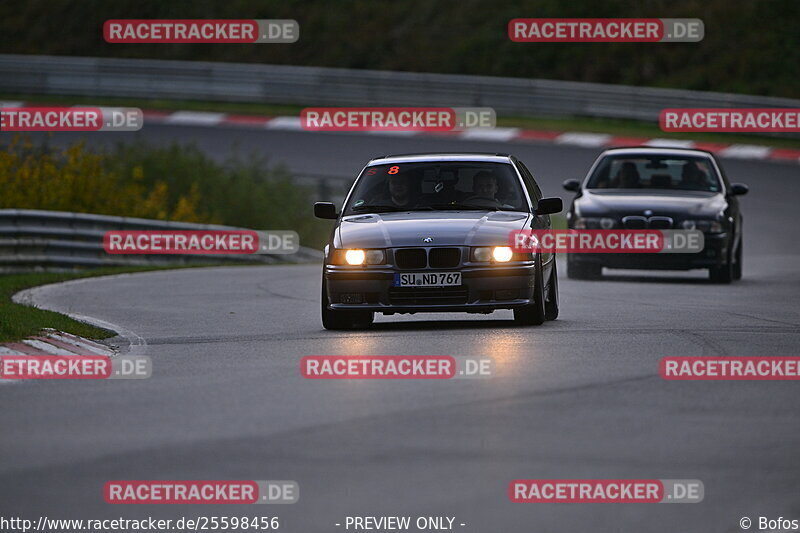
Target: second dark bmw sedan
point(660, 189)
point(430, 233)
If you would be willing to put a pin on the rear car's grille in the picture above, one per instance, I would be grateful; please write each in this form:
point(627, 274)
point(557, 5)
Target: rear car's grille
point(634, 222)
point(638, 222)
point(444, 257)
point(428, 295)
point(660, 223)
point(410, 258)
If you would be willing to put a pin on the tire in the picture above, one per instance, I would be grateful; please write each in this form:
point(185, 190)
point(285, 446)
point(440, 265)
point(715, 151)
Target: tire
point(577, 270)
point(533, 314)
point(737, 266)
point(551, 302)
point(722, 274)
point(338, 320)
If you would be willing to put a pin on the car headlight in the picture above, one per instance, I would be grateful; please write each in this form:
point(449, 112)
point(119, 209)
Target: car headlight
point(594, 223)
point(502, 254)
point(706, 226)
point(357, 256)
point(498, 254)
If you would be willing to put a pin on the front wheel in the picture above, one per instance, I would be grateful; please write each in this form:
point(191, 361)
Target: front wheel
point(723, 273)
point(337, 320)
point(576, 270)
point(737, 267)
point(533, 314)
point(551, 302)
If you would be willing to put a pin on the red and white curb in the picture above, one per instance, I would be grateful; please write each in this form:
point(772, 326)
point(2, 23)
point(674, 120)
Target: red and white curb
point(53, 342)
point(587, 140)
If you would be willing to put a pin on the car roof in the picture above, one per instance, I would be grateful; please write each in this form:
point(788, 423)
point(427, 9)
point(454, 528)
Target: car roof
point(650, 150)
point(431, 157)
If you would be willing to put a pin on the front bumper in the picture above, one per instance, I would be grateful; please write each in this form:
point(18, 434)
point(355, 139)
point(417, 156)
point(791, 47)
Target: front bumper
point(483, 289)
point(714, 253)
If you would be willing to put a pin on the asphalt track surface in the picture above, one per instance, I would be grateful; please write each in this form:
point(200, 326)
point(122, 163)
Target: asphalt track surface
point(578, 398)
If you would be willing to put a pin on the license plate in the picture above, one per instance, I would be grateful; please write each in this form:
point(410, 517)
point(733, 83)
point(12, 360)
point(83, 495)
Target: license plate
point(428, 279)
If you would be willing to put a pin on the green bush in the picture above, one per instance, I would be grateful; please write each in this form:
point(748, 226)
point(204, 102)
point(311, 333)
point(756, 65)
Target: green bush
point(176, 182)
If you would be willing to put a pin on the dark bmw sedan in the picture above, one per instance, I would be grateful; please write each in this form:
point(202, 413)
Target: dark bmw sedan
point(430, 233)
point(664, 189)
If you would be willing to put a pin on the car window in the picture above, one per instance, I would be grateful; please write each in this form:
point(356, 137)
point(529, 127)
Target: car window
point(666, 172)
point(530, 183)
point(437, 185)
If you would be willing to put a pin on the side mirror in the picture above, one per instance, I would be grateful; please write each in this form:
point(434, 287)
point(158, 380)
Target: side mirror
point(738, 189)
point(549, 206)
point(325, 210)
point(572, 185)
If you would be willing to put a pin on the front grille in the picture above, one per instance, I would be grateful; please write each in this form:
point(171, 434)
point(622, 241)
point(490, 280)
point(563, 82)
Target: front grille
point(444, 257)
point(428, 295)
point(410, 258)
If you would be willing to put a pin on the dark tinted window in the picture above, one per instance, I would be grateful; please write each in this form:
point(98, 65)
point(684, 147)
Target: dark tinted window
point(655, 172)
point(437, 185)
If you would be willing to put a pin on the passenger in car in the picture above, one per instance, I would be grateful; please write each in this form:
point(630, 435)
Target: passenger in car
point(692, 177)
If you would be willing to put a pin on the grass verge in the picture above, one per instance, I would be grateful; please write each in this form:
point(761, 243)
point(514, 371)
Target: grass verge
point(18, 321)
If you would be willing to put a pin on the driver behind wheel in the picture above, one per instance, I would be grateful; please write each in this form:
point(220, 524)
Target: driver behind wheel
point(484, 185)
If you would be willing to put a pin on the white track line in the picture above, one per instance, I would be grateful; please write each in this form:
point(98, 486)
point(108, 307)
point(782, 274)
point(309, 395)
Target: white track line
point(669, 143)
point(80, 344)
point(195, 118)
point(745, 151)
point(47, 347)
point(284, 123)
point(584, 139)
point(490, 134)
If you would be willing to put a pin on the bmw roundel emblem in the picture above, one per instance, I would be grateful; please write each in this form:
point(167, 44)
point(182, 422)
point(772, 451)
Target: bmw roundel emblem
point(648, 213)
point(427, 239)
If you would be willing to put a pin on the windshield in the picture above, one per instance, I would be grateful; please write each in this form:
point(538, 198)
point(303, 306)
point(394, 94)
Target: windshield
point(437, 186)
point(655, 172)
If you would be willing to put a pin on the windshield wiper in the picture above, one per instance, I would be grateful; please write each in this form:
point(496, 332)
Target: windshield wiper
point(377, 208)
point(465, 206)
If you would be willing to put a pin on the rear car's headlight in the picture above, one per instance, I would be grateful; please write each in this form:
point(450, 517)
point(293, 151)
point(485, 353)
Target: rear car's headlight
point(594, 223)
point(706, 226)
point(357, 256)
point(497, 254)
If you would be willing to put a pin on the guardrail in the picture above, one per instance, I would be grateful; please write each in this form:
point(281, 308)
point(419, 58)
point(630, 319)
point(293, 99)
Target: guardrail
point(237, 82)
point(32, 239)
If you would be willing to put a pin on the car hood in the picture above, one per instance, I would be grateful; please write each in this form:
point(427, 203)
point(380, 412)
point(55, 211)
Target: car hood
point(683, 204)
point(445, 228)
